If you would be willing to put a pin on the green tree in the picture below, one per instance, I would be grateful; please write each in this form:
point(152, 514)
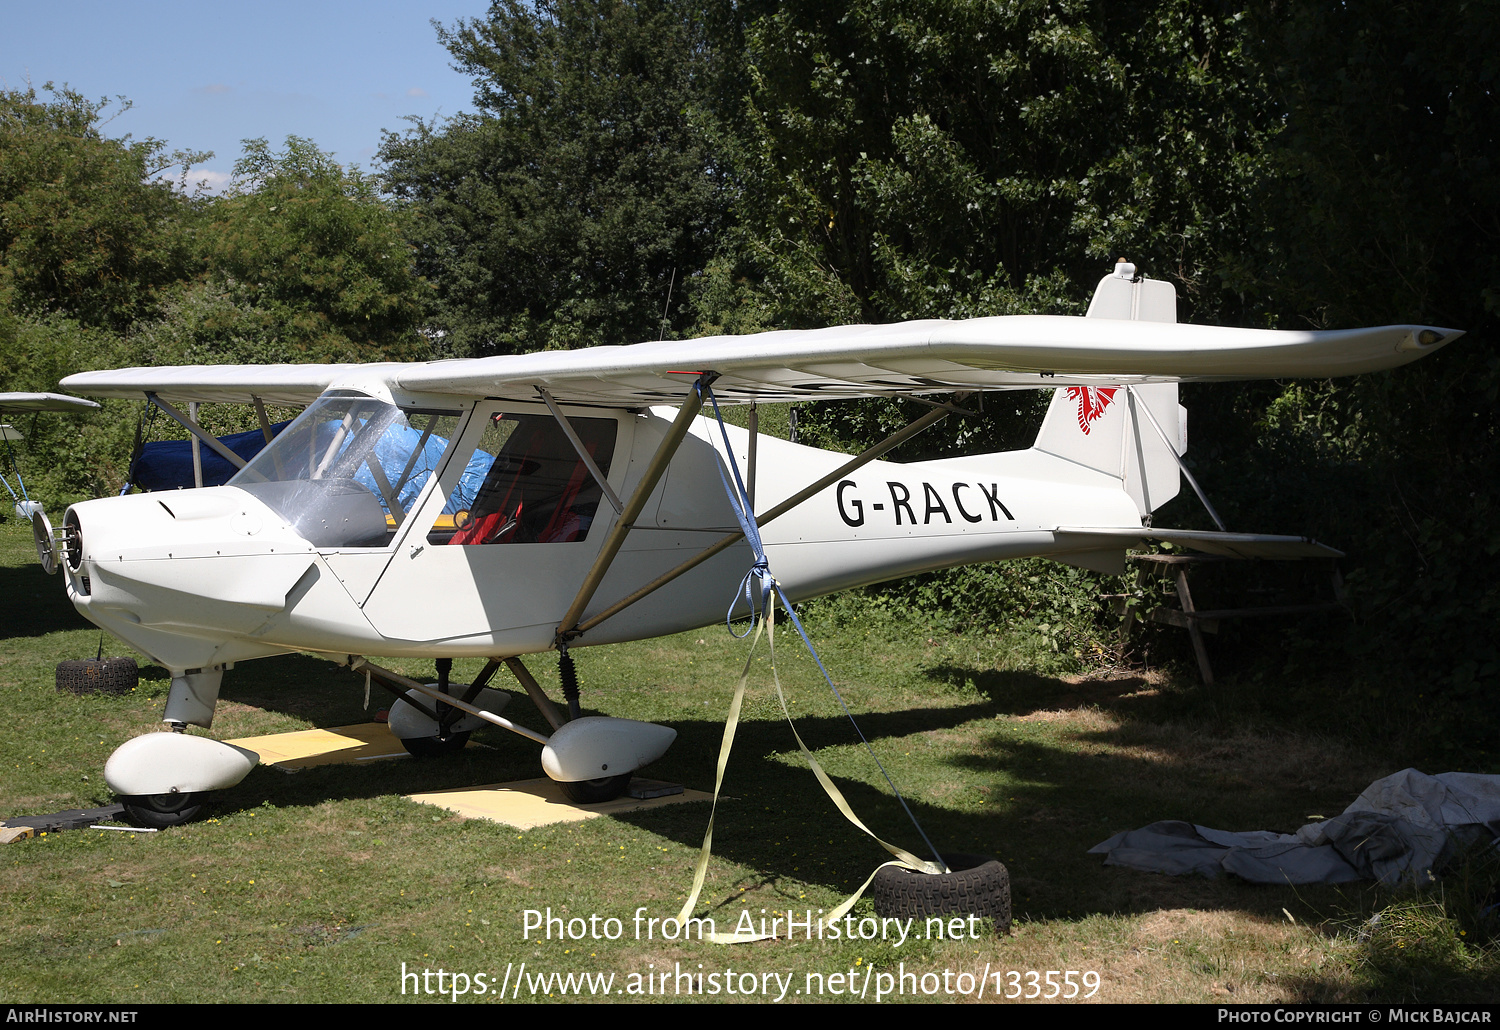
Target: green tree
point(307, 258)
point(937, 158)
point(1385, 197)
point(952, 159)
point(65, 457)
point(1380, 203)
point(574, 207)
point(88, 227)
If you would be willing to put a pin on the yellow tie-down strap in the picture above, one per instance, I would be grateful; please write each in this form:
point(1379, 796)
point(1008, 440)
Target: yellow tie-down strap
point(902, 857)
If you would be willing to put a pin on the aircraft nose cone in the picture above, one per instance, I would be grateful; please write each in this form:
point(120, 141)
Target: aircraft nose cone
point(109, 527)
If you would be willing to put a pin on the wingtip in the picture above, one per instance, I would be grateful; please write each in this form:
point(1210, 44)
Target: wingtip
point(1420, 339)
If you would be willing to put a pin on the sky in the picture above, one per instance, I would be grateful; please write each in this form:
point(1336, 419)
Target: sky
point(206, 75)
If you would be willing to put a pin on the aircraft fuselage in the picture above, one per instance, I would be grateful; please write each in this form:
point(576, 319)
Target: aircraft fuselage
point(478, 559)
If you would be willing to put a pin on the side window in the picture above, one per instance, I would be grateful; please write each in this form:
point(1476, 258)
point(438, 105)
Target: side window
point(526, 483)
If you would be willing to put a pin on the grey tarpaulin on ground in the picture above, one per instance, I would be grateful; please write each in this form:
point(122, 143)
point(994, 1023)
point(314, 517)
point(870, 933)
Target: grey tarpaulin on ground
point(1401, 827)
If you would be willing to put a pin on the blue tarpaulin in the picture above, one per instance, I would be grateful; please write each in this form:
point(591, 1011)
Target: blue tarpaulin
point(394, 451)
point(168, 464)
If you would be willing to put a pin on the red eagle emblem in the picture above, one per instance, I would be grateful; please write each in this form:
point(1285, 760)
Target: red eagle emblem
point(1092, 400)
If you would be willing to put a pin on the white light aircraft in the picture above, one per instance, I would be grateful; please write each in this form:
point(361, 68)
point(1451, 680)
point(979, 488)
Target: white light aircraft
point(506, 506)
point(23, 403)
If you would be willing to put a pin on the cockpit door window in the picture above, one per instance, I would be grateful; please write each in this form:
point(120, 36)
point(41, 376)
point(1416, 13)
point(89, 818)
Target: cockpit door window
point(536, 490)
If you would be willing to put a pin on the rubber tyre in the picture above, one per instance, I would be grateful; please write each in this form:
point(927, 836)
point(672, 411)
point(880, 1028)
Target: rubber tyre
point(593, 792)
point(97, 676)
point(976, 884)
point(163, 811)
point(435, 747)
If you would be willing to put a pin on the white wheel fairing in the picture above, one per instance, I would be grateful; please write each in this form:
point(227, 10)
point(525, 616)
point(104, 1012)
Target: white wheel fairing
point(407, 722)
point(597, 746)
point(171, 763)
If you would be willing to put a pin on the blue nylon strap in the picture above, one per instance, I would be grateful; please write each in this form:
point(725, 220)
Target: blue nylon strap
point(739, 499)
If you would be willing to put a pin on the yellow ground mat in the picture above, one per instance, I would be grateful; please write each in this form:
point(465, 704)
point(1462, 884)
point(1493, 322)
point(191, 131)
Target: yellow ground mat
point(527, 804)
point(524, 804)
point(303, 749)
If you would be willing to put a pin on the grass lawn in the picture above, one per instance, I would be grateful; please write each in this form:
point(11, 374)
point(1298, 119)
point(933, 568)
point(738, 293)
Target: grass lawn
point(326, 885)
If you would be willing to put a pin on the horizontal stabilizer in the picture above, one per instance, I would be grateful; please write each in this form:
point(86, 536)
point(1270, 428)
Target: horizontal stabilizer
point(1231, 545)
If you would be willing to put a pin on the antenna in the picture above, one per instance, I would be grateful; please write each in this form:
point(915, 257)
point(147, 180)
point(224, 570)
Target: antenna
point(662, 332)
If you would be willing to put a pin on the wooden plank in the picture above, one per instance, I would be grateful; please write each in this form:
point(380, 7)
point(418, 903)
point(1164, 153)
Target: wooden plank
point(1251, 613)
point(1183, 620)
point(1194, 631)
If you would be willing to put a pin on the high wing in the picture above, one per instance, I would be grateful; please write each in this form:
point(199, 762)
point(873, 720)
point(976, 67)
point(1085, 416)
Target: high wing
point(292, 385)
point(933, 356)
point(43, 402)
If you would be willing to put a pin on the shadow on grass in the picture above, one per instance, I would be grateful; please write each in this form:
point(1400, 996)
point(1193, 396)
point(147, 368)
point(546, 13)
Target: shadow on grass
point(1035, 804)
point(1428, 973)
point(992, 782)
point(35, 603)
point(1018, 692)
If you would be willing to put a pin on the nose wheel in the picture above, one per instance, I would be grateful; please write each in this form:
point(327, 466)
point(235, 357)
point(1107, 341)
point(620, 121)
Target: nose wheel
point(164, 811)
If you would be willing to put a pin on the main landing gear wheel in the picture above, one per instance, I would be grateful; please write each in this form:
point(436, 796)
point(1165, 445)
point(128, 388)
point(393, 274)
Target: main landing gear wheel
point(592, 792)
point(975, 884)
point(435, 747)
point(163, 811)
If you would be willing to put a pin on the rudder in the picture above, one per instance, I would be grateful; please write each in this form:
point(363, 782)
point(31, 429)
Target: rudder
point(1104, 427)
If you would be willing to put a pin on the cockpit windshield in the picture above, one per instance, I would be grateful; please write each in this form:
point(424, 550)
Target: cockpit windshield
point(348, 470)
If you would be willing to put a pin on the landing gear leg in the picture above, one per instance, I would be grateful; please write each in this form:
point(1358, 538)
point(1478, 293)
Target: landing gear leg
point(446, 741)
point(597, 751)
point(567, 672)
point(164, 764)
point(585, 792)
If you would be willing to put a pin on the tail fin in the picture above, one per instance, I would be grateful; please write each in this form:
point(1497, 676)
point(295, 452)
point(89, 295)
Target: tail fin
point(1104, 427)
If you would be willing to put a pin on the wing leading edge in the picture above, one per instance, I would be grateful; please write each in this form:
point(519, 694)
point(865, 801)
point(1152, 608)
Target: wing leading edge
point(933, 356)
